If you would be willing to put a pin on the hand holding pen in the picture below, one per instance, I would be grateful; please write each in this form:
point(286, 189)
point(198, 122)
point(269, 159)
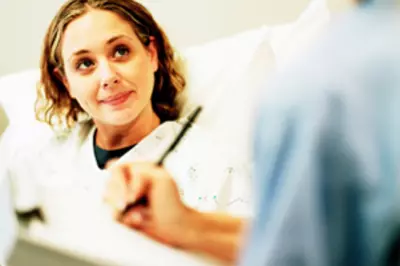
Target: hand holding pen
point(145, 196)
point(172, 146)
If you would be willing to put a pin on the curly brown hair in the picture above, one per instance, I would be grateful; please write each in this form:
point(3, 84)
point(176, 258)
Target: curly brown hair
point(54, 105)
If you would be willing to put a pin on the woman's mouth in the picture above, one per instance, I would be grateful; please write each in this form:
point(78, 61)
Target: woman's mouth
point(117, 99)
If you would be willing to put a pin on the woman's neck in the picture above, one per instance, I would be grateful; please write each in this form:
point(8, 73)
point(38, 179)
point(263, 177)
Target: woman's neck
point(111, 137)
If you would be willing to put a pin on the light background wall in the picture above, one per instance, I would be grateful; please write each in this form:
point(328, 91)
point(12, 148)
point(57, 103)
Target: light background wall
point(187, 22)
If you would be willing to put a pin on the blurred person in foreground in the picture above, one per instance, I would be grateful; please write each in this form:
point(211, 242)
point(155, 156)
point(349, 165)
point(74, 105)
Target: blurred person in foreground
point(327, 148)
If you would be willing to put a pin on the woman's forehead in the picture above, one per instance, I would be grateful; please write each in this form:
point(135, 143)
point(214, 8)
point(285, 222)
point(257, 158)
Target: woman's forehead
point(95, 28)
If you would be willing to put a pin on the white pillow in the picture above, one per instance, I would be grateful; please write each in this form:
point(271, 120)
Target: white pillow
point(18, 94)
point(290, 40)
point(224, 76)
point(212, 66)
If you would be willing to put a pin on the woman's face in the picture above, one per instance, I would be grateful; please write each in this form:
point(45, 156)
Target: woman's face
point(107, 69)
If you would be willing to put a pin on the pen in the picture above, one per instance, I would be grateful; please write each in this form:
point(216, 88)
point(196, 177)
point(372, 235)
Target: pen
point(178, 138)
point(181, 134)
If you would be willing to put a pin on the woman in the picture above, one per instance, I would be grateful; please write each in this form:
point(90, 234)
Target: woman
point(109, 83)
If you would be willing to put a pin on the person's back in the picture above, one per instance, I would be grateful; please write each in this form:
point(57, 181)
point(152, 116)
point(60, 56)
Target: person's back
point(327, 149)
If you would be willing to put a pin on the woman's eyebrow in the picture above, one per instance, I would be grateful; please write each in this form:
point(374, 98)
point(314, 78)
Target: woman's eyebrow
point(109, 41)
point(115, 38)
point(79, 52)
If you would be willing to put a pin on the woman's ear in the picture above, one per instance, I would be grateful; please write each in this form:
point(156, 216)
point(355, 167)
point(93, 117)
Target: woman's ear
point(152, 49)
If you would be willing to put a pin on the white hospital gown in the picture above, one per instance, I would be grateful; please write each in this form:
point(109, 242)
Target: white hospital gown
point(207, 179)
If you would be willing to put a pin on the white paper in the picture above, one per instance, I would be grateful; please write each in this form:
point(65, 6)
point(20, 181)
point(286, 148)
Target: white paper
point(109, 241)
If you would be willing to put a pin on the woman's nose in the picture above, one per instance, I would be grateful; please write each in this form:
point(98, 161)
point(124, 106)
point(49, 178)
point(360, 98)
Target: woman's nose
point(109, 77)
point(110, 82)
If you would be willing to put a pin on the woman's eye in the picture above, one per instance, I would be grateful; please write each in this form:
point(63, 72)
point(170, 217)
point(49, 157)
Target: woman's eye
point(121, 51)
point(84, 64)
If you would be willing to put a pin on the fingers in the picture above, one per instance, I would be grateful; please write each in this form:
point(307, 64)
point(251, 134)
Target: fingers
point(136, 217)
point(126, 185)
point(133, 181)
point(117, 189)
point(139, 187)
point(110, 163)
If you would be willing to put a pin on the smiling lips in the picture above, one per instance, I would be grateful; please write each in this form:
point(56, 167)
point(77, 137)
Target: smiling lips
point(117, 99)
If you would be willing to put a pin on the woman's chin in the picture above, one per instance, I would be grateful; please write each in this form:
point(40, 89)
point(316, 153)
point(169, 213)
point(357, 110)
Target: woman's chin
point(121, 118)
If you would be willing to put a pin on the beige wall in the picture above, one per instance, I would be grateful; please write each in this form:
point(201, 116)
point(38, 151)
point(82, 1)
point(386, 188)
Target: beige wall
point(340, 5)
point(187, 22)
point(22, 28)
